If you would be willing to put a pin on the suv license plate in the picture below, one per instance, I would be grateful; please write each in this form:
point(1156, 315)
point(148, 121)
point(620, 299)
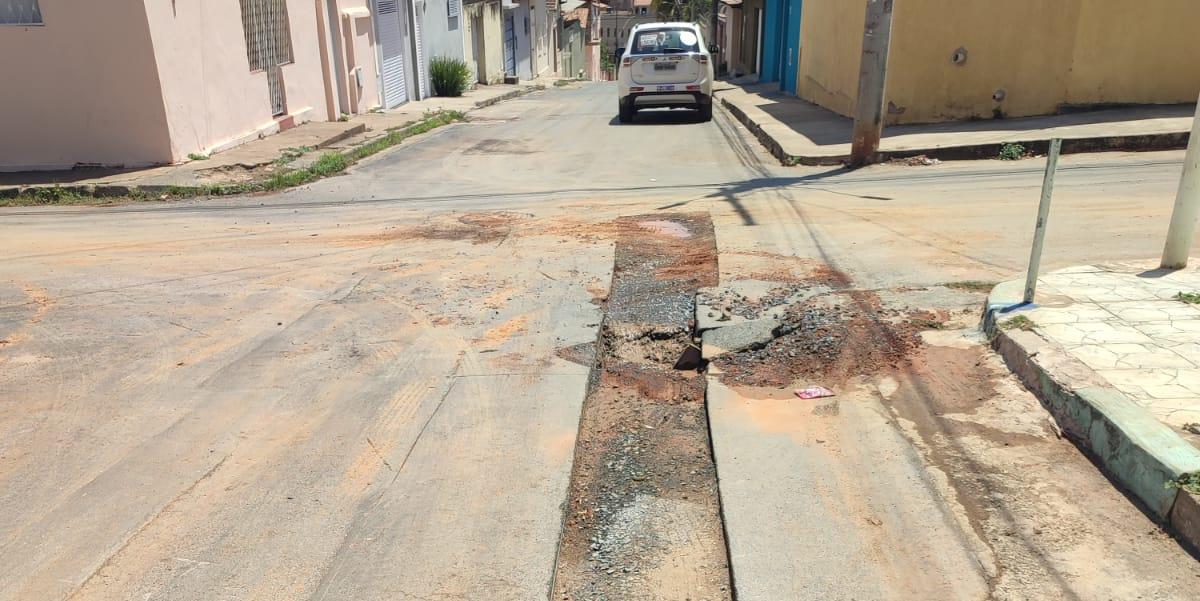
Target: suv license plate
point(664, 66)
point(666, 89)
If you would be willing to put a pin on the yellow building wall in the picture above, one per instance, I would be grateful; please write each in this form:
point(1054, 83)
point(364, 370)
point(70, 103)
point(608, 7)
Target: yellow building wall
point(1041, 55)
point(1142, 52)
point(831, 33)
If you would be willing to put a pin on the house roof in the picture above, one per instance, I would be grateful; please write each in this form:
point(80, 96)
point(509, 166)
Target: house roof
point(642, 2)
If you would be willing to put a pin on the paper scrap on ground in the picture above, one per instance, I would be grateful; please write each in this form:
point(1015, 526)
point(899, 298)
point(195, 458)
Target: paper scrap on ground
point(814, 392)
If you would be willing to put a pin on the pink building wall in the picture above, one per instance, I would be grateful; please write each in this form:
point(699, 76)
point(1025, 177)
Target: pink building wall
point(82, 88)
point(212, 99)
point(143, 82)
point(358, 47)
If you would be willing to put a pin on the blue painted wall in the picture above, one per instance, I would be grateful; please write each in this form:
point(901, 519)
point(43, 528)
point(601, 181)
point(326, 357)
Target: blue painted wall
point(772, 40)
point(781, 43)
point(790, 60)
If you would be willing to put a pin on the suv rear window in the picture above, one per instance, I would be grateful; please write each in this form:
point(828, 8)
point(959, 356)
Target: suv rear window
point(664, 40)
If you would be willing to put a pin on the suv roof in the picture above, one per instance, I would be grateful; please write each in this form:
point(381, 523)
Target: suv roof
point(665, 24)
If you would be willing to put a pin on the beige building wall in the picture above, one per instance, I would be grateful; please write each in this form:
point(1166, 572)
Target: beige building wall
point(483, 41)
point(358, 37)
point(747, 52)
point(1037, 56)
point(493, 42)
point(82, 88)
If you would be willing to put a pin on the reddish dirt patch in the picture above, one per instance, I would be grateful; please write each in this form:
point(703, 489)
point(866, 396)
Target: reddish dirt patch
point(476, 228)
point(829, 276)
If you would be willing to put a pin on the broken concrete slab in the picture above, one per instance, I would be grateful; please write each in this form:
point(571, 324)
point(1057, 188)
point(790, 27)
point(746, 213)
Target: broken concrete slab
point(740, 301)
point(746, 335)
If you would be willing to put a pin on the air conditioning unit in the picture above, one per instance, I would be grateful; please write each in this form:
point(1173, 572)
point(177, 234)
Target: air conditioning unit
point(508, 4)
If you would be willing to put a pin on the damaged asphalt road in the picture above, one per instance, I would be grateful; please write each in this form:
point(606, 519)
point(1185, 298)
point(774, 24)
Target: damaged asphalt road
point(374, 387)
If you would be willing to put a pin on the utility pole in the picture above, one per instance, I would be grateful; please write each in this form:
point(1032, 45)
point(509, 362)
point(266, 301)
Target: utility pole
point(1187, 204)
point(872, 74)
point(712, 27)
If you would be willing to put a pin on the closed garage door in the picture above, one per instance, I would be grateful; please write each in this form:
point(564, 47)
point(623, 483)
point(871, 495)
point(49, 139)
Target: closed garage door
point(389, 22)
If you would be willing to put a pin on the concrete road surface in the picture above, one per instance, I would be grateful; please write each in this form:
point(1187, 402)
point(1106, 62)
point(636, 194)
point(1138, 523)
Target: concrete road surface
point(354, 390)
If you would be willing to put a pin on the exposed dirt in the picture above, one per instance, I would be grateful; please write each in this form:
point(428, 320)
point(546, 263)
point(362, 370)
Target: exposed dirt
point(478, 228)
point(826, 341)
point(643, 517)
point(1016, 483)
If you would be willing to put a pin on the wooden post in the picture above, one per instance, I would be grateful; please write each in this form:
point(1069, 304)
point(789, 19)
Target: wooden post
point(872, 73)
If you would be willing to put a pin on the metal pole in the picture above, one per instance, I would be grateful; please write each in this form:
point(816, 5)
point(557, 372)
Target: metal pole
point(1187, 204)
point(872, 73)
point(1039, 231)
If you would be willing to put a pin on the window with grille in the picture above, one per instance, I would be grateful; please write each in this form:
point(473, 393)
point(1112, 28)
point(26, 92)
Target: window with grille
point(268, 37)
point(20, 12)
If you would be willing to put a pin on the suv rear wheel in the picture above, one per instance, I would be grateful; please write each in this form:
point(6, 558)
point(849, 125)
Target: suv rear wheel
point(706, 111)
point(626, 112)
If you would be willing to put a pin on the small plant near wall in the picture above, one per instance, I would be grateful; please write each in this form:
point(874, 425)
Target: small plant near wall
point(1011, 152)
point(1192, 298)
point(195, 156)
point(450, 76)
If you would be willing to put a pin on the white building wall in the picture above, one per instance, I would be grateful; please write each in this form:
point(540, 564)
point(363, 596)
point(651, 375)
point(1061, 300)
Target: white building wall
point(443, 33)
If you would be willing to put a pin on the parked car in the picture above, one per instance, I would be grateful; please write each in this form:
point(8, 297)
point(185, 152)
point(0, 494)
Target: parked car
point(665, 65)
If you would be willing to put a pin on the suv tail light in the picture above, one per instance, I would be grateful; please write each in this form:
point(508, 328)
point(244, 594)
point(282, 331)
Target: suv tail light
point(703, 58)
point(625, 62)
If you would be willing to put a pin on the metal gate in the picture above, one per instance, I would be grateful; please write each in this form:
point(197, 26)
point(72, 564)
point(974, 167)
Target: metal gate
point(390, 27)
point(268, 44)
point(510, 44)
point(419, 47)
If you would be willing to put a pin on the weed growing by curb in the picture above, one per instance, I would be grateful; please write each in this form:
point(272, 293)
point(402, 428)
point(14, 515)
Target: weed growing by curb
point(1189, 482)
point(291, 154)
point(971, 285)
point(1192, 298)
point(1019, 322)
point(195, 156)
point(1011, 152)
point(928, 324)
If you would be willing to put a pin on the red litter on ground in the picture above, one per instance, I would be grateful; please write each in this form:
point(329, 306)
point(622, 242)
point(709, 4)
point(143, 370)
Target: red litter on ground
point(814, 392)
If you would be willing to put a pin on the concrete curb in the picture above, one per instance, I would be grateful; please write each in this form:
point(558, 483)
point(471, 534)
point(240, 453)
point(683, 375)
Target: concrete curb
point(1139, 453)
point(509, 95)
point(1146, 142)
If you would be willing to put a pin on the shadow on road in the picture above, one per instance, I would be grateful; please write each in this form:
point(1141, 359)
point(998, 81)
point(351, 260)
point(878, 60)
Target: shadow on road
point(660, 117)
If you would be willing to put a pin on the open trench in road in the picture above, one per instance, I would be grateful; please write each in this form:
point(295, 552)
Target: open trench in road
point(643, 518)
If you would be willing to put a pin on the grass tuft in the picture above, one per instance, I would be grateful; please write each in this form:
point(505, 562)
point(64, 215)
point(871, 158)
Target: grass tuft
point(1192, 298)
point(1189, 482)
point(971, 285)
point(449, 76)
point(1011, 152)
point(1019, 322)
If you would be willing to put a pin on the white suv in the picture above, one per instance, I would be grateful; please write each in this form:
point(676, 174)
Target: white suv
point(665, 65)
